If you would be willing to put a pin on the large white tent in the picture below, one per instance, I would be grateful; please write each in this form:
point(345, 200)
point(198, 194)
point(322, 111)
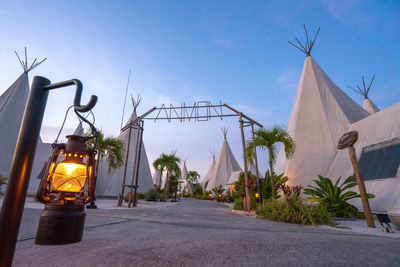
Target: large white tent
point(321, 114)
point(210, 171)
point(110, 184)
point(225, 165)
point(157, 179)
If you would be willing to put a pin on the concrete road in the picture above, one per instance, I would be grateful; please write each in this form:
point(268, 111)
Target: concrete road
point(201, 233)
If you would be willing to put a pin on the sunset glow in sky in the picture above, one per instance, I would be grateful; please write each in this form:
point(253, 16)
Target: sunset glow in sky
point(186, 51)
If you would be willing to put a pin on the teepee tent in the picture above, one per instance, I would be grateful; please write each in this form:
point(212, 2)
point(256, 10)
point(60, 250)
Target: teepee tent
point(110, 184)
point(235, 176)
point(210, 171)
point(225, 165)
point(12, 106)
point(368, 105)
point(157, 179)
point(321, 114)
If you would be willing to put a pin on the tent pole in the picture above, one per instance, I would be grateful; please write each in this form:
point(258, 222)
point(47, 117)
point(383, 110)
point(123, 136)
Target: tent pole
point(121, 199)
point(246, 175)
point(256, 165)
point(141, 125)
point(137, 124)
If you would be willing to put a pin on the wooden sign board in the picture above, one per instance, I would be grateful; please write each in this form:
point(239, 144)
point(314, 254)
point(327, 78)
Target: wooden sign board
point(347, 140)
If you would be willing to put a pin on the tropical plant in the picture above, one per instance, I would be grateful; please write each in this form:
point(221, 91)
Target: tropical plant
point(197, 190)
point(294, 210)
point(152, 195)
point(205, 186)
point(265, 185)
point(171, 164)
point(3, 181)
point(267, 139)
point(290, 191)
point(192, 177)
point(110, 148)
point(334, 196)
point(240, 185)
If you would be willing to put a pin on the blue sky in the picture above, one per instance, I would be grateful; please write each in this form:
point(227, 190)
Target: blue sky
point(185, 51)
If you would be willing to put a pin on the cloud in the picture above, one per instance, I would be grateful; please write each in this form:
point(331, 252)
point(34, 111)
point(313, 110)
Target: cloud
point(227, 43)
point(348, 12)
point(288, 79)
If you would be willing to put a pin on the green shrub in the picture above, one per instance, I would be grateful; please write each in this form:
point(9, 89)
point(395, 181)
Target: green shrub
point(294, 210)
point(265, 185)
point(238, 204)
point(152, 195)
point(198, 190)
point(333, 196)
point(142, 195)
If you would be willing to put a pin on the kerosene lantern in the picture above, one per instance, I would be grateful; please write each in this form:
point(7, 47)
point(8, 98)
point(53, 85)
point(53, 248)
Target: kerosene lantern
point(65, 188)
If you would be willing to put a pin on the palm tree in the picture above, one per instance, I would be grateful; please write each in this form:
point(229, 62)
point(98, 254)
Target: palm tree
point(171, 164)
point(268, 139)
point(110, 147)
point(192, 177)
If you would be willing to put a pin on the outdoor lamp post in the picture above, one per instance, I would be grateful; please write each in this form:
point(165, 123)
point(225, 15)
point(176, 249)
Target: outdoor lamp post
point(65, 188)
point(24, 153)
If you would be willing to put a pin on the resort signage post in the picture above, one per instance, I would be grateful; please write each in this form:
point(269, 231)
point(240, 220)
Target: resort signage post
point(24, 153)
point(347, 141)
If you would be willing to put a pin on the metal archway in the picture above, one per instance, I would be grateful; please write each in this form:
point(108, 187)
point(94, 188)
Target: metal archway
point(200, 111)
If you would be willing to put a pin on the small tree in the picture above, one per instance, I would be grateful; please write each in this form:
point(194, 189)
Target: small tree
point(192, 177)
point(267, 139)
point(171, 164)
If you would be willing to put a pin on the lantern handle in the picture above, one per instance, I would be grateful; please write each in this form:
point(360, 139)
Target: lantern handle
point(78, 94)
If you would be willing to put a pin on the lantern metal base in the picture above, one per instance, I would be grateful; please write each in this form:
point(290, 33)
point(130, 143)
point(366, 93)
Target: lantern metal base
point(60, 224)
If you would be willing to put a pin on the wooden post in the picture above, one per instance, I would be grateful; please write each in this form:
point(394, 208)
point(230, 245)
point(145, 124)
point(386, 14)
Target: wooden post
point(246, 175)
point(361, 188)
point(347, 141)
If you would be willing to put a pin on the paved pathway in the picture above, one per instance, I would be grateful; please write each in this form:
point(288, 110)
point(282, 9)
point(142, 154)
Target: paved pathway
point(201, 233)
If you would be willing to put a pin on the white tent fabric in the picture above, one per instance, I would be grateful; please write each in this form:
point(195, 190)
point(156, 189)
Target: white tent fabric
point(369, 106)
point(224, 166)
point(187, 189)
point(157, 179)
point(210, 173)
point(12, 105)
point(184, 170)
point(377, 128)
point(110, 184)
point(321, 113)
point(79, 130)
point(235, 176)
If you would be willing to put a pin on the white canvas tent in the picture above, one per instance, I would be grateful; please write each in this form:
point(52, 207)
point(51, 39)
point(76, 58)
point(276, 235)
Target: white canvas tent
point(12, 106)
point(321, 113)
point(110, 184)
point(235, 176)
point(363, 90)
point(210, 171)
point(224, 166)
point(157, 179)
point(380, 131)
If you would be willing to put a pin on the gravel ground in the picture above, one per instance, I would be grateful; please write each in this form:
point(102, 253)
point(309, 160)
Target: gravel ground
point(201, 233)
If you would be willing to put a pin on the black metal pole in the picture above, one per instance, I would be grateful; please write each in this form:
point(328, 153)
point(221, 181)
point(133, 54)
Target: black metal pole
point(21, 167)
point(256, 164)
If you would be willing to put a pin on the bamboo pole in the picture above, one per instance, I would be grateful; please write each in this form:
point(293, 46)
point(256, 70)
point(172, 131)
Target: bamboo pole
point(256, 164)
point(246, 175)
